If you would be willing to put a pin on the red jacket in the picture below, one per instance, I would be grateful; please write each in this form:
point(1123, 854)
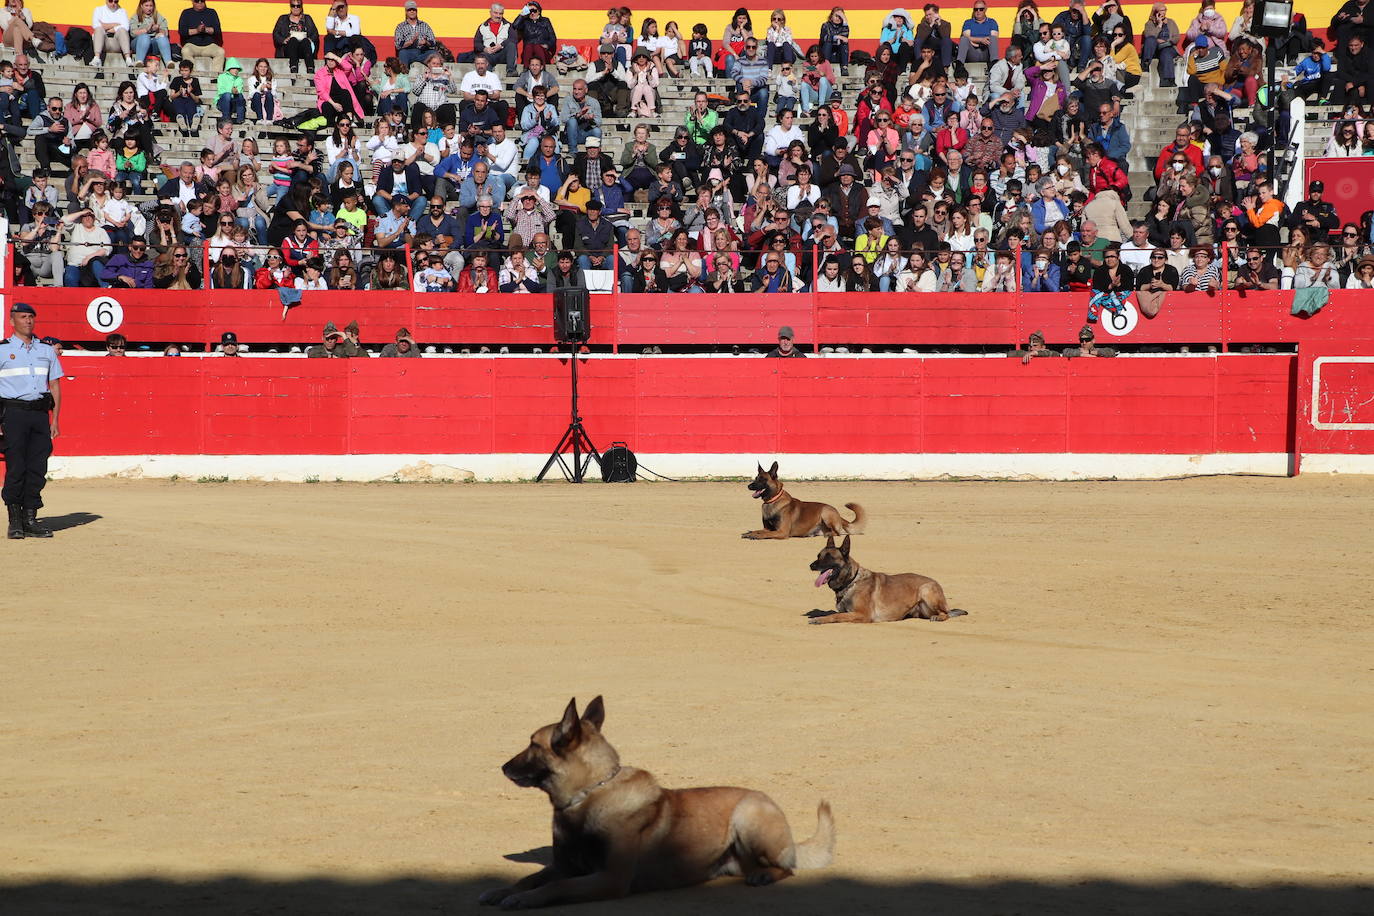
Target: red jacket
point(1193, 152)
point(1107, 174)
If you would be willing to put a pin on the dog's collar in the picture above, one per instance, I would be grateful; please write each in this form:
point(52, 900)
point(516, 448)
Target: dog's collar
point(775, 498)
point(838, 585)
point(581, 796)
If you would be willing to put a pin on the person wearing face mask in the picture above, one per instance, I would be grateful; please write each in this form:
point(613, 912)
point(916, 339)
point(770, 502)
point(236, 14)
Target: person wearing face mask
point(1182, 145)
point(1042, 276)
point(1210, 24)
point(1217, 179)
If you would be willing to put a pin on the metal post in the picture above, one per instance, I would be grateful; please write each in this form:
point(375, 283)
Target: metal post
point(1274, 124)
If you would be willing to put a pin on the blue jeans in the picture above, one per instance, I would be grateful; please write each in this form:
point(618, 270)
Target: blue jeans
point(263, 103)
point(71, 276)
point(786, 103)
point(1150, 49)
point(232, 107)
point(585, 262)
point(837, 52)
point(410, 56)
point(813, 98)
point(31, 102)
point(759, 95)
point(134, 178)
point(576, 134)
point(393, 103)
point(259, 228)
point(380, 205)
point(781, 54)
point(143, 42)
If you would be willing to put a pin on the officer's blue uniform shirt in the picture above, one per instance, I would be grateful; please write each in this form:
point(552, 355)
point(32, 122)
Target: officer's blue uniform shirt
point(26, 371)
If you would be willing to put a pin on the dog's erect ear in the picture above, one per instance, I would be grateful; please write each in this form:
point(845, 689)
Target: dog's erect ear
point(844, 546)
point(773, 471)
point(568, 732)
point(596, 713)
point(830, 540)
point(760, 470)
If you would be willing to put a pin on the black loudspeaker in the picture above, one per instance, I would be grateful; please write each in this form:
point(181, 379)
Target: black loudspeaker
point(572, 321)
point(618, 464)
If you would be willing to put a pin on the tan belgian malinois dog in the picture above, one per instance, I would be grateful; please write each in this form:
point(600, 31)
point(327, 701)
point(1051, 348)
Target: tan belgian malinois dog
point(617, 832)
point(785, 517)
point(864, 596)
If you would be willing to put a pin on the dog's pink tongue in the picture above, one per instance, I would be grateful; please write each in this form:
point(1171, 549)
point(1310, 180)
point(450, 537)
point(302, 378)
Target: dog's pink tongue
point(824, 577)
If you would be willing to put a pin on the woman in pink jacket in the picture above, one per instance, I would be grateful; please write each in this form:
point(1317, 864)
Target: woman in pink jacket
point(334, 88)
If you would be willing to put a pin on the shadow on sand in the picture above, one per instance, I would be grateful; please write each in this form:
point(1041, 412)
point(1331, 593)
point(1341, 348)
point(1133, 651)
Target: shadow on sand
point(820, 896)
point(70, 520)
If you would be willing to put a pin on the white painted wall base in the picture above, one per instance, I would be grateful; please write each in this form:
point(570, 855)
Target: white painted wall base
point(1338, 464)
point(511, 467)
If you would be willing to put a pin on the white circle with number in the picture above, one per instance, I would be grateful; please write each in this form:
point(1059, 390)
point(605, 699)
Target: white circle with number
point(1121, 322)
point(104, 314)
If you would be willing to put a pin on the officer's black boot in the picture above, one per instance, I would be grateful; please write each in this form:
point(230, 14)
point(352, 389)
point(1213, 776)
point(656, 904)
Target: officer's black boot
point(31, 527)
point(16, 529)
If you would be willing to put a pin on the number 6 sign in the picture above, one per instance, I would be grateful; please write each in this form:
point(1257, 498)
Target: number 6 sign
point(104, 314)
point(1121, 322)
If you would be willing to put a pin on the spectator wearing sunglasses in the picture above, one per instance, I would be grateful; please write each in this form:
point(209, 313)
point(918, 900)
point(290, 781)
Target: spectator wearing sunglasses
point(978, 37)
point(1258, 272)
point(132, 269)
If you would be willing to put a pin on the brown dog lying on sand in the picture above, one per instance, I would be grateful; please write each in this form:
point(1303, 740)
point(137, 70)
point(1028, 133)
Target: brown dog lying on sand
point(864, 596)
point(785, 517)
point(617, 832)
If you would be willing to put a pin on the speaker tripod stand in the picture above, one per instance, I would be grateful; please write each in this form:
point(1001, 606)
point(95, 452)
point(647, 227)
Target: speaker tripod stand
point(575, 438)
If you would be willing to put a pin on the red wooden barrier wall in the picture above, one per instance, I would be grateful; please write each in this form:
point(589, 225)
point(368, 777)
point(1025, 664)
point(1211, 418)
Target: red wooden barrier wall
point(871, 319)
point(1164, 405)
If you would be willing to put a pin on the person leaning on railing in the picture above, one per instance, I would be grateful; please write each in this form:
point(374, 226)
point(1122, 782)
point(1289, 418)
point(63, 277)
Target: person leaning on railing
point(1257, 273)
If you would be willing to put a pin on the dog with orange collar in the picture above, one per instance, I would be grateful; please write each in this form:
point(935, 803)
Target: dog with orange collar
point(786, 517)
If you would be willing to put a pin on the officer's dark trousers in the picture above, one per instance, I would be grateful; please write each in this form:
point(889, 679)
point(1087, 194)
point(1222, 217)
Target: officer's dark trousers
point(28, 443)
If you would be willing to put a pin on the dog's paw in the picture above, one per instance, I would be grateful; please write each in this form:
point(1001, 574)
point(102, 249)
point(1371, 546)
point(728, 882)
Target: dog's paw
point(749, 535)
point(523, 901)
point(494, 896)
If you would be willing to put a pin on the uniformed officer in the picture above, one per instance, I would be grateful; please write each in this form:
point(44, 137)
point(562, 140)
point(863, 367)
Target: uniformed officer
point(1316, 214)
point(30, 387)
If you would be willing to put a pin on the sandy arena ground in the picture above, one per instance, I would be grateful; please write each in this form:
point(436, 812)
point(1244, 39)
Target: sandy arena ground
point(312, 688)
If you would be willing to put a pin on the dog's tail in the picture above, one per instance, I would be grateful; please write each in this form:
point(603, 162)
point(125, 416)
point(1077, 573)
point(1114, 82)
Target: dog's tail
point(957, 612)
point(860, 518)
point(819, 851)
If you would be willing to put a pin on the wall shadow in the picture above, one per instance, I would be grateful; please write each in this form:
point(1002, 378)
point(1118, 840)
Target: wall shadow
point(326, 896)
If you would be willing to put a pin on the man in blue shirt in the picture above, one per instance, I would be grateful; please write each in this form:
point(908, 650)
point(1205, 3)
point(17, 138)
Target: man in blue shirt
point(30, 387)
point(393, 229)
point(751, 73)
point(1313, 74)
point(978, 41)
point(453, 170)
point(552, 171)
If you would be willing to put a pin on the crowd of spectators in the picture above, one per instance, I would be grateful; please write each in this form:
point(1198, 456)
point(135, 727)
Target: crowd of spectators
point(984, 157)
